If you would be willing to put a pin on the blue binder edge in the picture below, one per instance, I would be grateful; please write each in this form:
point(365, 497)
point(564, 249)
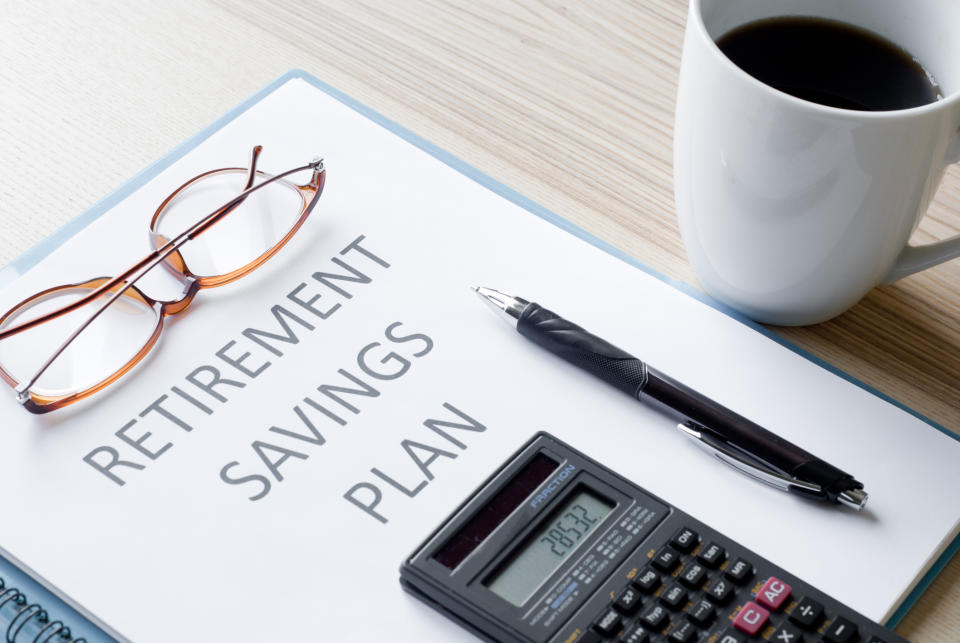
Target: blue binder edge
point(33, 256)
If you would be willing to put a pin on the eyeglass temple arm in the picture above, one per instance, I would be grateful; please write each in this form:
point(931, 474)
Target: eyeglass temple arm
point(252, 173)
point(152, 260)
point(160, 253)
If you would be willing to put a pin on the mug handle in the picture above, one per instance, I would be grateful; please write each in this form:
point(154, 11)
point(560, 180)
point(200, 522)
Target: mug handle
point(916, 258)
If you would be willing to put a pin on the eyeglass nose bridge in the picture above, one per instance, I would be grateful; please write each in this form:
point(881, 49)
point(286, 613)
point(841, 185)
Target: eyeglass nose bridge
point(173, 263)
point(190, 290)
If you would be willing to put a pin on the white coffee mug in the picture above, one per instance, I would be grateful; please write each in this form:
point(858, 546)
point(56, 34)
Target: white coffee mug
point(791, 211)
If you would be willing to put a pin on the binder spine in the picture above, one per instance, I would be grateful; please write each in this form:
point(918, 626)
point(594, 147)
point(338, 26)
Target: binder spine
point(30, 622)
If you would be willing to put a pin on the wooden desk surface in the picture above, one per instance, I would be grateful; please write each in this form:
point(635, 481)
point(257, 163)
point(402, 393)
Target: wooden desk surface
point(571, 103)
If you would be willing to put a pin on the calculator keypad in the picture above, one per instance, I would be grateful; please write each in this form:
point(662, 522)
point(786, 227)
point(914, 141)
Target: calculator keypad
point(701, 612)
point(739, 571)
point(773, 593)
point(684, 540)
point(720, 590)
point(807, 614)
point(628, 601)
point(608, 623)
point(647, 581)
point(712, 555)
point(696, 592)
point(840, 630)
point(786, 633)
point(635, 634)
point(674, 596)
point(751, 619)
point(693, 575)
point(666, 559)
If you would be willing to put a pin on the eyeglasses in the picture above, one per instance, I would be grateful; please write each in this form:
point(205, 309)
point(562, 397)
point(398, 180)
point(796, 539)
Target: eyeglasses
point(212, 230)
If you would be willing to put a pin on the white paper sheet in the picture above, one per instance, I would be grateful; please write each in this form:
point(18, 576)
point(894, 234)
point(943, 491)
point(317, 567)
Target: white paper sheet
point(177, 554)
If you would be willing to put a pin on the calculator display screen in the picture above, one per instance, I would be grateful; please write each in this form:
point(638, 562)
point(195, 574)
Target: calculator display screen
point(548, 546)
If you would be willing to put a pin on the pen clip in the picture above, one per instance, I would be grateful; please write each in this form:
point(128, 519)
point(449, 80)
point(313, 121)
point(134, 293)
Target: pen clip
point(725, 454)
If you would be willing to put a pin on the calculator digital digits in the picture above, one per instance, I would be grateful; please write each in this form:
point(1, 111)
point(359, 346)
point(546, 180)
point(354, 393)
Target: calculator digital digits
point(554, 547)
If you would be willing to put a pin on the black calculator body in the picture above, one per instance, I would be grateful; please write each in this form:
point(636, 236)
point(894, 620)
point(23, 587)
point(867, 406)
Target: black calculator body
point(554, 547)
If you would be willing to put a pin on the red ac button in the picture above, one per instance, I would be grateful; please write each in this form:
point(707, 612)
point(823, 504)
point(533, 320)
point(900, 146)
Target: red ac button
point(773, 593)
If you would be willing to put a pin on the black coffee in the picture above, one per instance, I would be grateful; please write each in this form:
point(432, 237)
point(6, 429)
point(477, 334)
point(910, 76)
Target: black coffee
point(831, 63)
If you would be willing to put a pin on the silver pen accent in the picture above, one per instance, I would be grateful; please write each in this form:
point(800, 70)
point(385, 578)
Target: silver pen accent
point(505, 305)
point(723, 452)
point(726, 455)
point(853, 498)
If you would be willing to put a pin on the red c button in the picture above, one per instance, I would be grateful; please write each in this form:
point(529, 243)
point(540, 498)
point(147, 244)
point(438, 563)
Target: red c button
point(751, 619)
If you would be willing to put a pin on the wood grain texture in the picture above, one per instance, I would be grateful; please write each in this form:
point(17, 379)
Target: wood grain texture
point(569, 102)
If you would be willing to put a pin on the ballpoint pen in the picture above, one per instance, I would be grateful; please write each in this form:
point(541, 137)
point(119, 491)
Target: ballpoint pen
point(732, 438)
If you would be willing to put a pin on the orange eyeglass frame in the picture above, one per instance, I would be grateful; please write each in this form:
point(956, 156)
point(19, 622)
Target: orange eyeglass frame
point(166, 252)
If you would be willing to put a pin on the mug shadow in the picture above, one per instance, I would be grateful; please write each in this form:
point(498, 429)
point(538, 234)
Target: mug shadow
point(901, 340)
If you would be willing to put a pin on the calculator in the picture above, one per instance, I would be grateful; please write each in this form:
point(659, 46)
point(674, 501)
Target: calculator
point(554, 547)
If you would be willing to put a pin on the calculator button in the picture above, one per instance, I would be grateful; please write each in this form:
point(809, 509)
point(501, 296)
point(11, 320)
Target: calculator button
point(693, 575)
point(674, 596)
point(807, 614)
point(635, 634)
point(751, 619)
point(701, 612)
point(730, 636)
point(773, 593)
point(712, 555)
point(685, 539)
point(655, 617)
point(647, 581)
point(590, 637)
point(840, 631)
point(876, 639)
point(628, 601)
point(787, 633)
point(739, 571)
point(685, 632)
point(720, 590)
point(608, 624)
point(665, 560)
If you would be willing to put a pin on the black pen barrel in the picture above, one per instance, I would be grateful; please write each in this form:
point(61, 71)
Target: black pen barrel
point(733, 428)
point(629, 374)
point(582, 349)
